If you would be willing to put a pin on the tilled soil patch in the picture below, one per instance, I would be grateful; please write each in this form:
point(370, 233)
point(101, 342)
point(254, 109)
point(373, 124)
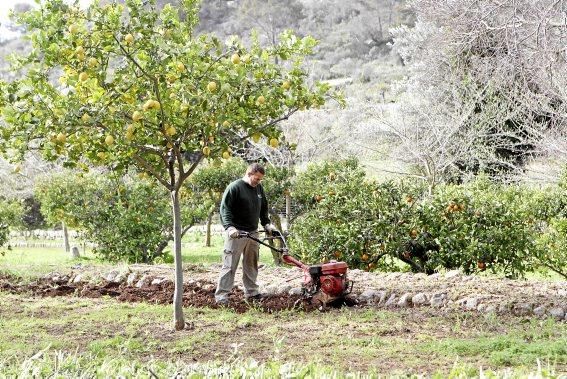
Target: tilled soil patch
point(195, 294)
point(445, 292)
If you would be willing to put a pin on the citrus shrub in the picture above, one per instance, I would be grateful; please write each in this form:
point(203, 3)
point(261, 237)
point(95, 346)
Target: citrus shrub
point(479, 225)
point(552, 246)
point(475, 226)
point(551, 204)
point(277, 183)
point(347, 217)
point(126, 219)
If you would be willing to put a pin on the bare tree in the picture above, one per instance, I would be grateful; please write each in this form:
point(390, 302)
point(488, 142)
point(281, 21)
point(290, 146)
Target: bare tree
point(488, 81)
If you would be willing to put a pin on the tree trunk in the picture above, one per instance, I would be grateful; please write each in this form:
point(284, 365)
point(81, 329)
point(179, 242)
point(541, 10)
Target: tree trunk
point(178, 292)
point(208, 237)
point(66, 238)
point(75, 252)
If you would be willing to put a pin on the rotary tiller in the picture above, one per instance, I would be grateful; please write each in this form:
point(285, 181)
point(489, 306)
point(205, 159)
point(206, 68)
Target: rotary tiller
point(322, 283)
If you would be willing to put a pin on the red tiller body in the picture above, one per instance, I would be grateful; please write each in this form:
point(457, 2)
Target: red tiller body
point(324, 282)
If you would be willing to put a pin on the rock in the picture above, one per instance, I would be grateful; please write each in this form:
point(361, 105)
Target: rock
point(369, 295)
point(391, 301)
point(540, 311)
point(383, 297)
point(157, 281)
point(269, 290)
point(131, 278)
point(505, 307)
point(277, 289)
point(144, 280)
point(438, 299)
point(557, 312)
point(452, 274)
point(523, 309)
point(78, 278)
point(295, 291)
point(468, 303)
point(419, 299)
point(405, 300)
point(121, 277)
point(111, 275)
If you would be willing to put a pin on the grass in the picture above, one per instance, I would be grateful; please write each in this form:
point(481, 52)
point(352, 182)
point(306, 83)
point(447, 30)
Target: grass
point(75, 337)
point(35, 261)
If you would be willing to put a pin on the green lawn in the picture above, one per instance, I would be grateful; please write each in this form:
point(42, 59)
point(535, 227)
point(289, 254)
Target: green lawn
point(29, 261)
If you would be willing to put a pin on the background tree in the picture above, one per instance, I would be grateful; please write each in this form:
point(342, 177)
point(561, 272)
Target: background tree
point(490, 74)
point(125, 218)
point(136, 87)
point(269, 17)
point(10, 217)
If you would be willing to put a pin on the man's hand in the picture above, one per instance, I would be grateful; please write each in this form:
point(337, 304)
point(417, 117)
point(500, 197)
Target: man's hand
point(269, 228)
point(233, 232)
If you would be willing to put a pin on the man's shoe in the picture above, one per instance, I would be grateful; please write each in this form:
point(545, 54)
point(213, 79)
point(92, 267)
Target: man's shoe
point(222, 302)
point(257, 297)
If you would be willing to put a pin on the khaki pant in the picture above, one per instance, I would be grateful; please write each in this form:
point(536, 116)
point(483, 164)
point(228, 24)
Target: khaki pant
point(233, 249)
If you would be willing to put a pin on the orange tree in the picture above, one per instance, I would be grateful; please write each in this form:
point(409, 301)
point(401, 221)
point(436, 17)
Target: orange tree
point(344, 215)
point(127, 219)
point(128, 85)
point(475, 226)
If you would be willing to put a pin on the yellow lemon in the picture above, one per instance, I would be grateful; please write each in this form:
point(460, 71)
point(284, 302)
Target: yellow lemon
point(73, 28)
point(61, 138)
point(137, 116)
point(274, 142)
point(129, 38)
point(212, 86)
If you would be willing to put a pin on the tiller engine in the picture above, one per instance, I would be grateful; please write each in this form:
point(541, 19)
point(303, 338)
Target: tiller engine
point(322, 283)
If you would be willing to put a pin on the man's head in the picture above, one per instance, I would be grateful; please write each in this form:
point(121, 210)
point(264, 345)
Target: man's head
point(254, 174)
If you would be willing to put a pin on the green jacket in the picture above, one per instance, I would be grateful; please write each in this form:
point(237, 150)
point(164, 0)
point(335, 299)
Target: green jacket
point(242, 206)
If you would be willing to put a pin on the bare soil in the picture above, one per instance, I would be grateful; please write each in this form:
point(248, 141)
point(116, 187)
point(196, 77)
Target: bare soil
point(195, 294)
point(503, 295)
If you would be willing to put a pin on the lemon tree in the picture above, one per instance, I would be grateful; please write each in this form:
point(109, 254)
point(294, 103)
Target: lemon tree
point(130, 85)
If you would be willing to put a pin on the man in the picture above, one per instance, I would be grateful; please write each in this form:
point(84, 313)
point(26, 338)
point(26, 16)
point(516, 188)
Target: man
point(243, 205)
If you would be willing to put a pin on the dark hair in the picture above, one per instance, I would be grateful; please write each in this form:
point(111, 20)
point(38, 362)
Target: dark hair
point(256, 167)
